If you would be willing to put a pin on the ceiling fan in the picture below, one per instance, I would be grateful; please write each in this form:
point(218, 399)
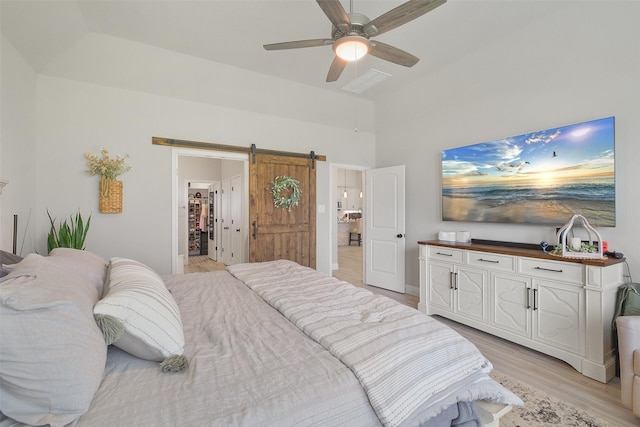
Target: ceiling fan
point(351, 34)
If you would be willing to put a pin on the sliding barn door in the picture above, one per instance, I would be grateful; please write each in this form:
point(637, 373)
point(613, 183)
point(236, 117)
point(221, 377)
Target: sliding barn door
point(280, 233)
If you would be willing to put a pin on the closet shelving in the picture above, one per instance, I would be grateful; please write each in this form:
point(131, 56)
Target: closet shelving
point(195, 228)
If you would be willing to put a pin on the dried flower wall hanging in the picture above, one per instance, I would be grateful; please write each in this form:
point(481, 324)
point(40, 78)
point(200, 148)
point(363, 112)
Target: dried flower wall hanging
point(109, 168)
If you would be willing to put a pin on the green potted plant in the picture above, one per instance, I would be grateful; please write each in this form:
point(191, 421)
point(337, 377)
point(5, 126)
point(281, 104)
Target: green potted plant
point(68, 234)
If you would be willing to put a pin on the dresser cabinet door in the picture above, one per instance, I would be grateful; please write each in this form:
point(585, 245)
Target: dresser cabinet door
point(511, 303)
point(557, 313)
point(440, 285)
point(470, 293)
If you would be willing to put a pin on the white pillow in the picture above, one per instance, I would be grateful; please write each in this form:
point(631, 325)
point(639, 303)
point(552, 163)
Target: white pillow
point(52, 354)
point(144, 311)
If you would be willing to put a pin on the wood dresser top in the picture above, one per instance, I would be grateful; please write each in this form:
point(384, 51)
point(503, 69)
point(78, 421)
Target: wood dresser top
point(530, 253)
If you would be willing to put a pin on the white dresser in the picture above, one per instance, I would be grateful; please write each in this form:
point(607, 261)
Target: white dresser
point(560, 307)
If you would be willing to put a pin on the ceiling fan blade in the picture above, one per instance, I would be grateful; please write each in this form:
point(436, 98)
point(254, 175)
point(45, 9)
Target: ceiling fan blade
point(392, 54)
point(400, 15)
point(336, 68)
point(336, 14)
point(298, 44)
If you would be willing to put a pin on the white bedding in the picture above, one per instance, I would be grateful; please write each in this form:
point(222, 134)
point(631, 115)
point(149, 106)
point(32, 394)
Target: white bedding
point(250, 365)
point(245, 361)
point(406, 361)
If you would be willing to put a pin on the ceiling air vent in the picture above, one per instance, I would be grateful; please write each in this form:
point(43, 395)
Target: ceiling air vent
point(366, 81)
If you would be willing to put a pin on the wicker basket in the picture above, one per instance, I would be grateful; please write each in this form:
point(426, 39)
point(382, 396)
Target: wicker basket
point(110, 196)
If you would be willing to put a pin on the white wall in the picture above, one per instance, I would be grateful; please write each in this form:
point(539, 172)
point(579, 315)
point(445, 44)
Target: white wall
point(17, 150)
point(76, 116)
point(114, 62)
point(324, 218)
point(579, 63)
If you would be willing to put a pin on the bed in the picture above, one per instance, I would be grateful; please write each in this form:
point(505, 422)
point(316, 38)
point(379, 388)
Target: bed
point(264, 344)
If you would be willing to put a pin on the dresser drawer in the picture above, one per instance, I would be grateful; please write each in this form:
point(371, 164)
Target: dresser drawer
point(554, 270)
point(491, 261)
point(445, 254)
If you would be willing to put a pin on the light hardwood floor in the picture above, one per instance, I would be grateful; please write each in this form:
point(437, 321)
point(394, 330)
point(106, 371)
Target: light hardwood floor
point(546, 373)
point(202, 263)
point(350, 270)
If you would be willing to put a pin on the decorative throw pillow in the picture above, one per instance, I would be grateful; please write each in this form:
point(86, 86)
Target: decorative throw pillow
point(7, 262)
point(140, 316)
point(84, 263)
point(6, 269)
point(52, 355)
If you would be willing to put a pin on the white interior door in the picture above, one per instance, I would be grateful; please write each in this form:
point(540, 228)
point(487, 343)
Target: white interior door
point(236, 255)
point(214, 215)
point(225, 222)
point(385, 228)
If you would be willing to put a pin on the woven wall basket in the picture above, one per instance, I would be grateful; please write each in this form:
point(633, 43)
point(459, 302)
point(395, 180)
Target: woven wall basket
point(110, 196)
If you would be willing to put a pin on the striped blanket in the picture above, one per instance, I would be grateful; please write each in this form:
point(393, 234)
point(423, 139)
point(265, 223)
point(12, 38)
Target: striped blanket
point(401, 357)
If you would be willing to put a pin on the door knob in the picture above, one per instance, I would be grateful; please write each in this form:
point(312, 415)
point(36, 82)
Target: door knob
point(400, 235)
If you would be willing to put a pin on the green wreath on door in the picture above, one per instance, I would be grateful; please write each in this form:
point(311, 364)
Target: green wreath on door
point(280, 187)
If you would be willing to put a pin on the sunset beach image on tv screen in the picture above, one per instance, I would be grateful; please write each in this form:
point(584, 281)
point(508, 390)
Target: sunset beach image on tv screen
point(541, 177)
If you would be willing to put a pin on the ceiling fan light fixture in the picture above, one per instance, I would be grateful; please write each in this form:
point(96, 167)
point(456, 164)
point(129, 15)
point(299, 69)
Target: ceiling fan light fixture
point(351, 48)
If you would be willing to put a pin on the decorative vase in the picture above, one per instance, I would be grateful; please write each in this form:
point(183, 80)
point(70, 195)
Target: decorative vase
point(110, 196)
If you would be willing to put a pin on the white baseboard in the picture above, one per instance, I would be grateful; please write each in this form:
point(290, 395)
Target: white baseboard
point(412, 290)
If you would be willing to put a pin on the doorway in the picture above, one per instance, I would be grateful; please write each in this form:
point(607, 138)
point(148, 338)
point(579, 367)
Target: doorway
point(198, 220)
point(203, 171)
point(348, 237)
point(294, 236)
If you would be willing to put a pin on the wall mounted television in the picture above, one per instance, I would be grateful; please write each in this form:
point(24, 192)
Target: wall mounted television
point(541, 177)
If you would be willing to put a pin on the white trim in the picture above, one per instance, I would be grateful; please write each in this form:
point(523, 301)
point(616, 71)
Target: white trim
point(333, 226)
point(412, 290)
point(189, 152)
